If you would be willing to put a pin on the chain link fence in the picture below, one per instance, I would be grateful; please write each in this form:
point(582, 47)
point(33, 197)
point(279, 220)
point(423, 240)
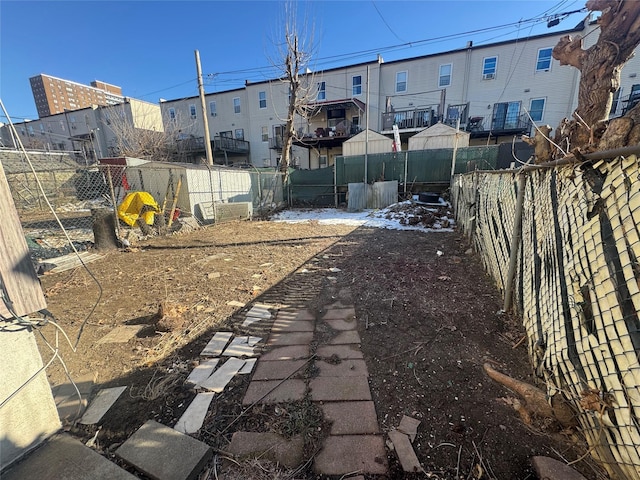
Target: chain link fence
point(206, 194)
point(576, 285)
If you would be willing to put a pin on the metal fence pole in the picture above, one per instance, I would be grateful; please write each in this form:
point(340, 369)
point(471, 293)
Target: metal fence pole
point(335, 184)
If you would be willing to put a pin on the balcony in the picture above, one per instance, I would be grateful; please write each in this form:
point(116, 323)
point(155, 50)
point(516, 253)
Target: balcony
point(230, 145)
point(275, 143)
point(488, 125)
point(190, 144)
point(415, 119)
point(327, 137)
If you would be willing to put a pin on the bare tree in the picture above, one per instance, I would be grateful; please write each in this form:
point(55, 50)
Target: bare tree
point(294, 57)
point(600, 67)
point(143, 134)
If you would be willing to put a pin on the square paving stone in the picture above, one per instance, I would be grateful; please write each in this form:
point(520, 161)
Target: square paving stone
point(289, 390)
point(342, 454)
point(343, 352)
point(342, 324)
point(335, 389)
point(283, 326)
point(346, 368)
point(279, 369)
point(339, 314)
point(153, 444)
point(345, 337)
point(293, 352)
point(295, 338)
point(269, 446)
point(351, 418)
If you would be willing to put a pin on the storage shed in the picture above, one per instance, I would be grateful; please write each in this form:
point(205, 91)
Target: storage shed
point(377, 144)
point(438, 136)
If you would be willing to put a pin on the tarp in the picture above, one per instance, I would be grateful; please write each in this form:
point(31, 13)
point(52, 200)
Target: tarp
point(132, 207)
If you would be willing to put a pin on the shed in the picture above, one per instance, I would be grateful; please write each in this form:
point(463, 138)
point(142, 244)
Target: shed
point(377, 144)
point(438, 136)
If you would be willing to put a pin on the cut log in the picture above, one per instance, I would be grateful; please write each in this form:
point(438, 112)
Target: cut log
point(104, 229)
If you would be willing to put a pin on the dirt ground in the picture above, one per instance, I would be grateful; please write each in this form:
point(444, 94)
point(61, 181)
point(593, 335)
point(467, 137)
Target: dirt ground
point(428, 323)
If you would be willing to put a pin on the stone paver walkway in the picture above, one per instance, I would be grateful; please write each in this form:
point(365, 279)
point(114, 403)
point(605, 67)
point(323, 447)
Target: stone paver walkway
point(339, 386)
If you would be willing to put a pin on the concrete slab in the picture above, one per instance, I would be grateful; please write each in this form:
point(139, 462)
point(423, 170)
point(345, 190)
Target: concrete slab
point(71, 260)
point(216, 345)
point(346, 337)
point(269, 446)
point(235, 303)
point(409, 425)
point(295, 338)
point(64, 457)
point(278, 370)
point(552, 469)
point(283, 391)
point(340, 314)
point(351, 418)
point(342, 325)
point(70, 406)
point(346, 368)
point(241, 347)
point(164, 453)
point(305, 315)
point(193, 417)
point(284, 326)
point(405, 452)
point(343, 352)
point(201, 372)
point(259, 312)
point(335, 389)
point(221, 377)
point(343, 454)
point(293, 352)
point(121, 334)
point(248, 366)
point(101, 404)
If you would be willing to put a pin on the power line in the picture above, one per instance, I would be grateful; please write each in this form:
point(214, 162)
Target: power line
point(385, 21)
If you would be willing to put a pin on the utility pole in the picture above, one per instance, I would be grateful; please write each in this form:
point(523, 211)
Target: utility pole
point(205, 120)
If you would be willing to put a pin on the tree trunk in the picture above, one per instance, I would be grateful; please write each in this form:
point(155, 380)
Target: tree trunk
point(600, 67)
point(104, 229)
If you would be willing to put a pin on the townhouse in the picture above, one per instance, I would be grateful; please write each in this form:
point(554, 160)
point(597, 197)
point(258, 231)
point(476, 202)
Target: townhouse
point(493, 91)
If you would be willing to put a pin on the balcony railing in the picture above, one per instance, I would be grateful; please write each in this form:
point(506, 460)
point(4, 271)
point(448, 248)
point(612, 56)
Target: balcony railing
point(479, 125)
point(408, 119)
point(230, 145)
point(275, 143)
point(190, 144)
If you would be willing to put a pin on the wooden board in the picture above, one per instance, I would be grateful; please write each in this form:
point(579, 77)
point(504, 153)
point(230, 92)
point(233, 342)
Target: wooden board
point(17, 272)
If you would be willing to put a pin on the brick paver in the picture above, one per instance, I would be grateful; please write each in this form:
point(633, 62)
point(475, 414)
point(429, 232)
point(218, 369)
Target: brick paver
point(288, 391)
point(343, 352)
point(295, 338)
point(346, 368)
point(352, 453)
point(339, 314)
point(334, 389)
point(284, 326)
point(350, 418)
point(345, 337)
point(279, 369)
point(291, 352)
point(342, 324)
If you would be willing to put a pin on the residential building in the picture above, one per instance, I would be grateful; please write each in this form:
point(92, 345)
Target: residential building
point(92, 132)
point(55, 95)
point(496, 92)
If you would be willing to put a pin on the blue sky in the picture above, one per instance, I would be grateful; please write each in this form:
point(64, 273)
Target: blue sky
point(147, 47)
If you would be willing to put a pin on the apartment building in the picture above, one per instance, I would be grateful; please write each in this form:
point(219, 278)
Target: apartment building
point(493, 91)
point(54, 95)
point(92, 132)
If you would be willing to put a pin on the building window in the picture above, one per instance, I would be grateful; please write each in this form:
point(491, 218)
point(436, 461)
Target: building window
point(536, 109)
point(489, 68)
point(42, 128)
point(401, 82)
point(31, 132)
point(444, 79)
point(506, 115)
point(227, 134)
point(192, 110)
point(356, 88)
point(239, 133)
point(212, 109)
point(172, 113)
point(322, 160)
point(262, 97)
point(265, 134)
point(544, 60)
point(236, 105)
point(322, 94)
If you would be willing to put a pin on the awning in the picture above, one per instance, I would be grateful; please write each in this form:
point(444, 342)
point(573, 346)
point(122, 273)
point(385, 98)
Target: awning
point(344, 103)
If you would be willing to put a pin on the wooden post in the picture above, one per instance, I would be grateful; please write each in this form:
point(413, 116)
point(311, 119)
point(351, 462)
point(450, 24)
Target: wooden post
point(115, 202)
point(175, 202)
point(515, 243)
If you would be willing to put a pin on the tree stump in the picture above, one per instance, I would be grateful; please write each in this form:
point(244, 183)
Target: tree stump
point(104, 229)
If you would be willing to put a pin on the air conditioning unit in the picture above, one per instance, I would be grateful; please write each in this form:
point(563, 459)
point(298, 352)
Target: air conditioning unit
point(488, 76)
point(219, 212)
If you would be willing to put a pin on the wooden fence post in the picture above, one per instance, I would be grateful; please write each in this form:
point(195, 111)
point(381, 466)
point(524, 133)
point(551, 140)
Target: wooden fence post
point(515, 243)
